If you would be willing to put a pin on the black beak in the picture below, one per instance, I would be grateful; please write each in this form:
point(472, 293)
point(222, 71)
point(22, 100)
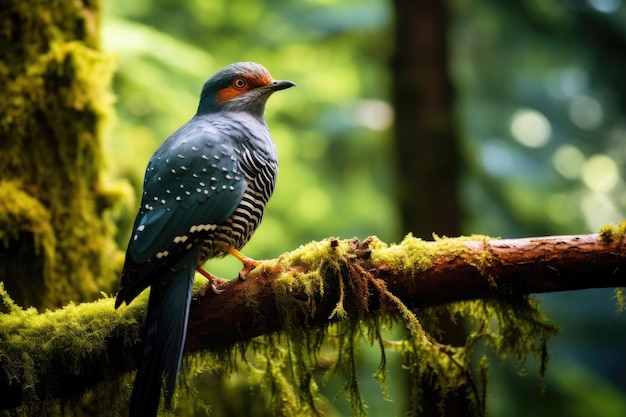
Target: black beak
point(281, 85)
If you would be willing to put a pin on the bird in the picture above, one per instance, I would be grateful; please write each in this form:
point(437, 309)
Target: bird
point(204, 194)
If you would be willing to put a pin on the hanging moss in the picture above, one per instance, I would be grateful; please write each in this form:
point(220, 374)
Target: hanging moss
point(283, 368)
point(511, 328)
point(614, 234)
point(54, 100)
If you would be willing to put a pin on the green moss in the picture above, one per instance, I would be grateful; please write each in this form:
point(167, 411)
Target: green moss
point(619, 296)
point(71, 342)
point(613, 232)
point(413, 255)
point(52, 108)
point(44, 354)
point(24, 221)
point(609, 234)
point(511, 328)
point(21, 212)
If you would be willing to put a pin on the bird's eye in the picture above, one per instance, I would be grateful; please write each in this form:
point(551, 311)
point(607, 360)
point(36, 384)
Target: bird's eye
point(240, 83)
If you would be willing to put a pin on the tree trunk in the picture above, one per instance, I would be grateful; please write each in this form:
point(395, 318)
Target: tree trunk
point(426, 146)
point(55, 246)
point(426, 149)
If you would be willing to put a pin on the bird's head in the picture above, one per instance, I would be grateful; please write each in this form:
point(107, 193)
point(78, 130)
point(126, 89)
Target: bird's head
point(242, 86)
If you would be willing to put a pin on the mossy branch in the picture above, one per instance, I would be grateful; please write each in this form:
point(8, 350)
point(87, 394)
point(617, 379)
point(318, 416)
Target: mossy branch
point(57, 356)
point(417, 272)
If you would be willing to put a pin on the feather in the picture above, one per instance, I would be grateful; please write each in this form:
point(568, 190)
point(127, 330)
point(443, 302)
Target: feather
point(163, 341)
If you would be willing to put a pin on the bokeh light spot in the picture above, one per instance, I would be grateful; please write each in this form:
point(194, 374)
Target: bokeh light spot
point(568, 161)
point(600, 173)
point(598, 210)
point(530, 128)
point(496, 157)
point(606, 6)
point(374, 114)
point(586, 112)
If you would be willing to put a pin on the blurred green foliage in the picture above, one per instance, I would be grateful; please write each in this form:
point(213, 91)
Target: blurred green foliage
point(542, 104)
point(540, 100)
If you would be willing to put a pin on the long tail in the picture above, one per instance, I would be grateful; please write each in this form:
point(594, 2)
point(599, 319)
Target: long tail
point(164, 338)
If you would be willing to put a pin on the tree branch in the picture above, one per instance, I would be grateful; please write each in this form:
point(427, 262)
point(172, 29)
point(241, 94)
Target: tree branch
point(459, 269)
point(316, 283)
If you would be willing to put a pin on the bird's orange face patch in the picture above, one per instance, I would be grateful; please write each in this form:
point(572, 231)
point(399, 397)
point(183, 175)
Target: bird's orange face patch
point(242, 84)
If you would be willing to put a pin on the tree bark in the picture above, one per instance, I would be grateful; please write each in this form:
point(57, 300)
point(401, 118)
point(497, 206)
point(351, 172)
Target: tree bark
point(490, 268)
point(364, 276)
point(55, 242)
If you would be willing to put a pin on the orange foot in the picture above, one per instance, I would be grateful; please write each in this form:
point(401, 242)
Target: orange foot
point(212, 284)
point(248, 263)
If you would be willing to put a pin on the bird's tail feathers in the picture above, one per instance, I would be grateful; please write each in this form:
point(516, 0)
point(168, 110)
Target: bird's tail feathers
point(164, 338)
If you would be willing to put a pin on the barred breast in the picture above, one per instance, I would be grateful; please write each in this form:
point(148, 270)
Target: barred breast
point(259, 170)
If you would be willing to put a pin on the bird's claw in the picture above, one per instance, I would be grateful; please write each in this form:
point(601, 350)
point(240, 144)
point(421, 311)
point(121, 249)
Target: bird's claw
point(213, 286)
point(214, 282)
point(217, 290)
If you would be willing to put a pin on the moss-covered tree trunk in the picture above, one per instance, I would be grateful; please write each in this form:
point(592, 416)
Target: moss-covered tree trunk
point(55, 245)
